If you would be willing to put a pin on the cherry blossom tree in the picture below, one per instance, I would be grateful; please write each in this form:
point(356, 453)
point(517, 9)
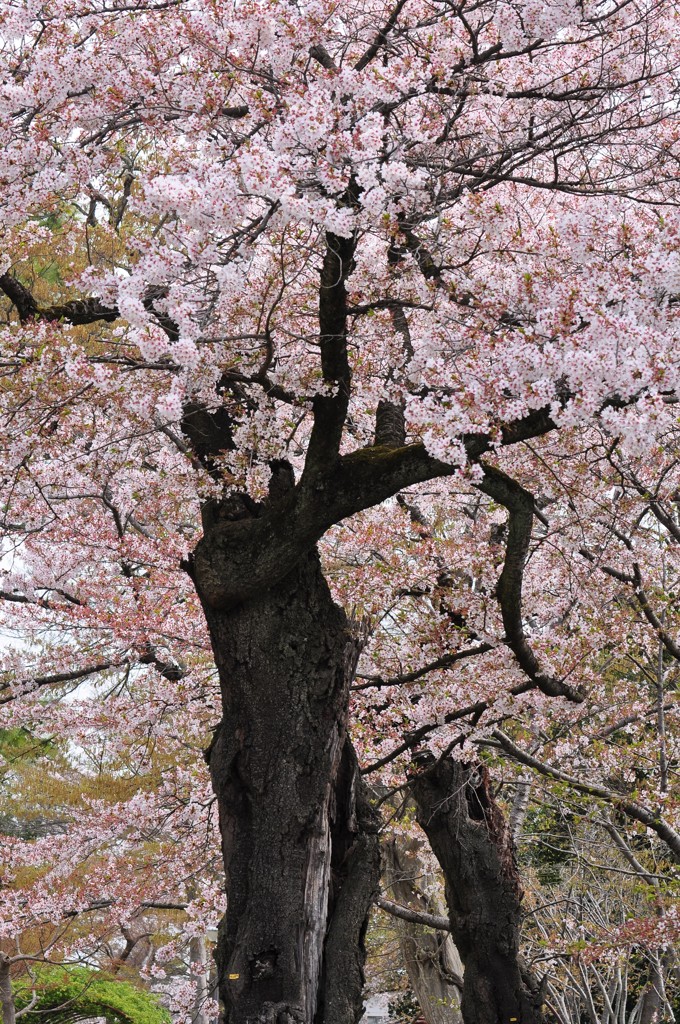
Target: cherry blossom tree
point(391, 277)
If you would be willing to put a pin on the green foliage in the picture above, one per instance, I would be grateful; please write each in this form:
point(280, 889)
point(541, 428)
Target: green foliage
point(21, 755)
point(52, 219)
point(20, 742)
point(551, 845)
point(49, 272)
point(76, 993)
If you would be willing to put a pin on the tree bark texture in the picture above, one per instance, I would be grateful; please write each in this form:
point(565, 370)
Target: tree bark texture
point(199, 975)
point(7, 1007)
point(520, 806)
point(430, 957)
point(299, 838)
point(468, 835)
point(653, 998)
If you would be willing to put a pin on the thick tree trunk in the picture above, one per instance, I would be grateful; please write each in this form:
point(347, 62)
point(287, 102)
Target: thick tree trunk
point(299, 840)
point(469, 838)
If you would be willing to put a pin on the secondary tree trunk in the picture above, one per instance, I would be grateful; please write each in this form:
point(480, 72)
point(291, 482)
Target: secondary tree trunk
point(6, 998)
point(653, 998)
point(199, 975)
point(469, 838)
point(299, 839)
point(431, 959)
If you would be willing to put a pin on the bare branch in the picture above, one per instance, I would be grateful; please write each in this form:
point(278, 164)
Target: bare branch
point(445, 661)
point(638, 812)
point(520, 505)
point(441, 924)
point(381, 37)
point(38, 682)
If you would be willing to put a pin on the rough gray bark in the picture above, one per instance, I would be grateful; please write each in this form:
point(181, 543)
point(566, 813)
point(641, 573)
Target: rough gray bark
point(389, 425)
point(653, 998)
point(6, 997)
point(199, 973)
point(299, 842)
point(469, 838)
point(431, 959)
point(520, 805)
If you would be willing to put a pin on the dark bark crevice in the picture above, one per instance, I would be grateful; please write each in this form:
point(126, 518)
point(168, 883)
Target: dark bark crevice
point(355, 879)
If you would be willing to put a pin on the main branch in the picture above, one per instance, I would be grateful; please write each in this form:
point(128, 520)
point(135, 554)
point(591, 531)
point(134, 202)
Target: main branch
point(520, 505)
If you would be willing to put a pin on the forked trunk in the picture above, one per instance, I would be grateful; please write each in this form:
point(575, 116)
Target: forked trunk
point(299, 840)
point(474, 848)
